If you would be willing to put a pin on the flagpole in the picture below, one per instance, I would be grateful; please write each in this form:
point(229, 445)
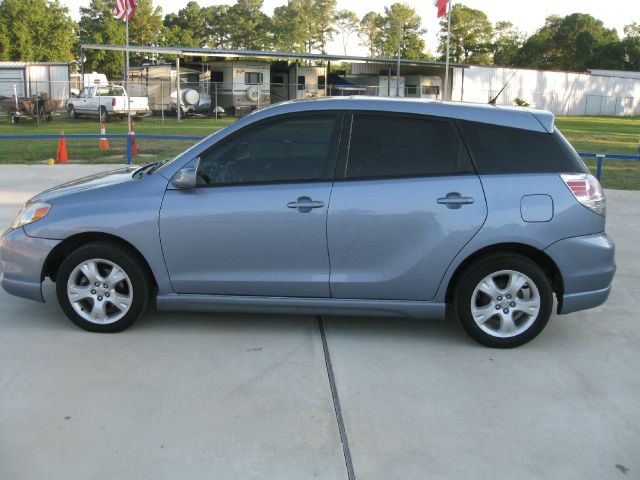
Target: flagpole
point(126, 70)
point(446, 72)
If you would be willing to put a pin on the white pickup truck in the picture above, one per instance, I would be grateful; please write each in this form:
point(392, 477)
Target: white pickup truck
point(104, 101)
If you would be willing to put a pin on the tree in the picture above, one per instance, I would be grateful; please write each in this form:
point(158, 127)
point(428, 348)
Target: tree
point(369, 30)
point(36, 30)
point(631, 44)
point(507, 41)
point(324, 12)
point(403, 17)
point(347, 23)
point(187, 28)
point(98, 25)
point(219, 27)
point(576, 42)
point(471, 36)
point(249, 27)
point(304, 25)
point(145, 28)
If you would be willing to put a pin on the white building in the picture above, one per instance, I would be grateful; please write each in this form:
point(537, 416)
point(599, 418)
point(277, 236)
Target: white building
point(563, 93)
point(30, 78)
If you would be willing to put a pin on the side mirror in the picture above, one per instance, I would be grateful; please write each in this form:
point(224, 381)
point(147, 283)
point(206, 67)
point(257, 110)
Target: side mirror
point(185, 178)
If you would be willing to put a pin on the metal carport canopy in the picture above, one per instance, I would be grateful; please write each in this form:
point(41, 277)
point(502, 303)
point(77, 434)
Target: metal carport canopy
point(223, 52)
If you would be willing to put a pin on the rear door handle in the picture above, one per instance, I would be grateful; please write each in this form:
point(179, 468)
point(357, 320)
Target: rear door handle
point(305, 204)
point(455, 200)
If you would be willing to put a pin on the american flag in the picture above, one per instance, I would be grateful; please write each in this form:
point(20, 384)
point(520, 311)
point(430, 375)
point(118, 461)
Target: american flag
point(442, 7)
point(125, 9)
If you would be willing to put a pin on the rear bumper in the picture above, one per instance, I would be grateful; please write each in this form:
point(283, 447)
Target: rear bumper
point(21, 263)
point(587, 266)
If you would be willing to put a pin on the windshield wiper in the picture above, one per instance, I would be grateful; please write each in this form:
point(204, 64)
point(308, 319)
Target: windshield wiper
point(147, 169)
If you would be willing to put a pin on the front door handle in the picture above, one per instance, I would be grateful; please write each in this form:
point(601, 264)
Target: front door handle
point(455, 200)
point(305, 204)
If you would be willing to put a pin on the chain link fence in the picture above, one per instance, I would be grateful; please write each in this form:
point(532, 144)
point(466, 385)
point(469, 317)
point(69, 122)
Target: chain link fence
point(171, 101)
point(167, 102)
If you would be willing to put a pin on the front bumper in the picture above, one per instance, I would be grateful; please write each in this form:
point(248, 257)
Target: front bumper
point(22, 260)
point(587, 267)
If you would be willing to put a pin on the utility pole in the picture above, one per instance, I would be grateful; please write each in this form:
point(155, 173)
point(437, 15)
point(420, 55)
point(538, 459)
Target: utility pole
point(398, 67)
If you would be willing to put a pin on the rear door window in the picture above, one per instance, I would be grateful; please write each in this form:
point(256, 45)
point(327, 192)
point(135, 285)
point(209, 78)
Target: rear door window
point(392, 145)
point(498, 149)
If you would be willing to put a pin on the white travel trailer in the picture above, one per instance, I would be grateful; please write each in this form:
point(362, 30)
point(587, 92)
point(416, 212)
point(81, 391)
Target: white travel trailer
point(423, 86)
point(379, 85)
point(294, 82)
point(159, 83)
point(240, 86)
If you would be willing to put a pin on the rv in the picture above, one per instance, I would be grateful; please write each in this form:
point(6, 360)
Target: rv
point(159, 83)
point(381, 85)
point(239, 86)
point(295, 82)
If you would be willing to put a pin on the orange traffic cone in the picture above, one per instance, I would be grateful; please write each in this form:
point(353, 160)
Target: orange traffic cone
point(61, 156)
point(104, 143)
point(134, 148)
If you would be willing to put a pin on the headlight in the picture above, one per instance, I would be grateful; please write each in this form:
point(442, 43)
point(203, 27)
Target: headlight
point(31, 213)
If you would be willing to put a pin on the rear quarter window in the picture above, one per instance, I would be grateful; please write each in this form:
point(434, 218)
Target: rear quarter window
point(498, 149)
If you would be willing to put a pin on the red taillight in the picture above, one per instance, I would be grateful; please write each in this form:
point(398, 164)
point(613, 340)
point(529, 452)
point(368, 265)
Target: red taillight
point(587, 191)
point(113, 102)
point(579, 189)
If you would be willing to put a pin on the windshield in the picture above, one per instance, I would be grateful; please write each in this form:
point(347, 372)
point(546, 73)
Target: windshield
point(193, 148)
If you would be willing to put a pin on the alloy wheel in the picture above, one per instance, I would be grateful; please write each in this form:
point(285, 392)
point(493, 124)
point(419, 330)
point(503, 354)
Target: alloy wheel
point(505, 303)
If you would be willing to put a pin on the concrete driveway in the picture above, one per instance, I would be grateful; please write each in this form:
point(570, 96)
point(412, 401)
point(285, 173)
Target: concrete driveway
point(198, 396)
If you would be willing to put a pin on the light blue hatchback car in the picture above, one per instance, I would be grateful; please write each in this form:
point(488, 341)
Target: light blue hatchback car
point(350, 206)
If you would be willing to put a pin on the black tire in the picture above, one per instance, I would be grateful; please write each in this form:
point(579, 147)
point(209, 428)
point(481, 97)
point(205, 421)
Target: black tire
point(103, 116)
point(72, 112)
point(48, 117)
point(138, 286)
point(14, 119)
point(496, 332)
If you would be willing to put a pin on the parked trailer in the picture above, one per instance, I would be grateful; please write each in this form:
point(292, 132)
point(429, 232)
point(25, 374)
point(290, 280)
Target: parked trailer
point(296, 82)
point(37, 105)
point(159, 84)
point(240, 86)
point(379, 85)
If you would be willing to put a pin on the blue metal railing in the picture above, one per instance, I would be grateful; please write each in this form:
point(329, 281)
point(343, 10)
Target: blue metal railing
point(131, 136)
point(601, 156)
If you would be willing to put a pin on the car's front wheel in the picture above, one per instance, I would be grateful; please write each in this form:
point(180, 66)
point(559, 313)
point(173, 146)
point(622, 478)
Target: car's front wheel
point(503, 300)
point(102, 288)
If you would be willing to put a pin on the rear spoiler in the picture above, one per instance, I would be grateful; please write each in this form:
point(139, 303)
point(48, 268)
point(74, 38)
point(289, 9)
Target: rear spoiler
point(545, 118)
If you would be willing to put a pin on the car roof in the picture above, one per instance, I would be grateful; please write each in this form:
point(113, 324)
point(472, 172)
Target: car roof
point(516, 117)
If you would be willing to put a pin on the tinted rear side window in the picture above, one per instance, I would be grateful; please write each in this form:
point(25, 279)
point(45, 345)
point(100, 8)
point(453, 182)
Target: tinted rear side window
point(399, 146)
point(498, 149)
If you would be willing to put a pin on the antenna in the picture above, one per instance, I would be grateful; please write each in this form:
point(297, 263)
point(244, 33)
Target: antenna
point(493, 100)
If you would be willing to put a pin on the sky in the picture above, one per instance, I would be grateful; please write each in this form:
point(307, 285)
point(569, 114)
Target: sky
point(527, 15)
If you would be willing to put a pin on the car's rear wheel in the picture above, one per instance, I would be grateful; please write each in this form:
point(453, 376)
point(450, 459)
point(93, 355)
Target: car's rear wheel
point(102, 288)
point(72, 112)
point(503, 300)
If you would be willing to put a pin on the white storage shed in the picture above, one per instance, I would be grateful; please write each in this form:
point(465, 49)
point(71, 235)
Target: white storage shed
point(30, 78)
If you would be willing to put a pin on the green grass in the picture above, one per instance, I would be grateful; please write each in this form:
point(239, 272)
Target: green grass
point(86, 150)
point(586, 134)
point(607, 135)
